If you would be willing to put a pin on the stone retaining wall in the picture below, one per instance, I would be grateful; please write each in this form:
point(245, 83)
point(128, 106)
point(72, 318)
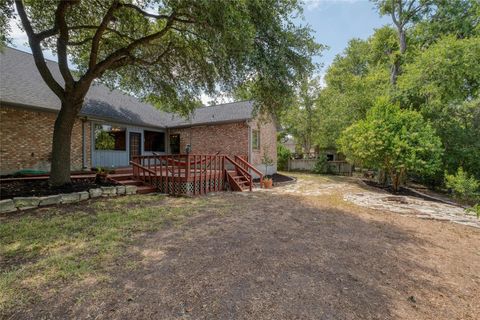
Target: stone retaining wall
point(24, 203)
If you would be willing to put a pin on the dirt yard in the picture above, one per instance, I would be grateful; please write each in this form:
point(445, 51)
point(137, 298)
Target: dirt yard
point(296, 252)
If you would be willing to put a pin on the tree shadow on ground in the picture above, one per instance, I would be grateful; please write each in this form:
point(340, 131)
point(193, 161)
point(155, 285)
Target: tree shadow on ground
point(272, 257)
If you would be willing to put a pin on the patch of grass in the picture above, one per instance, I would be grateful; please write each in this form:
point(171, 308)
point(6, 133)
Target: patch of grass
point(36, 251)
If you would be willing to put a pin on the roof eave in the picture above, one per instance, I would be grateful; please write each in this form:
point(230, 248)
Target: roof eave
point(4, 103)
point(188, 125)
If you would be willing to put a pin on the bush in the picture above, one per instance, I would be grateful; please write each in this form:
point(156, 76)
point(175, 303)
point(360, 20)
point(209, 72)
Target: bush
point(475, 209)
point(321, 165)
point(283, 154)
point(463, 186)
point(398, 142)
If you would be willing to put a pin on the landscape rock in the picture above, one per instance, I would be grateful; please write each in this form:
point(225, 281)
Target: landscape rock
point(121, 190)
point(84, 195)
point(70, 197)
point(109, 191)
point(95, 193)
point(24, 203)
point(7, 205)
point(50, 200)
point(130, 189)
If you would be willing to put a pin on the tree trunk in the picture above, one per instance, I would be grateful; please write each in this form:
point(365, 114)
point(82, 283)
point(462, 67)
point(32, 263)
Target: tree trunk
point(403, 40)
point(382, 177)
point(395, 181)
point(395, 70)
point(61, 144)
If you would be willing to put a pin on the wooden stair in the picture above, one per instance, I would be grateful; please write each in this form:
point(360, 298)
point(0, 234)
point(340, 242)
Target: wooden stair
point(125, 177)
point(238, 181)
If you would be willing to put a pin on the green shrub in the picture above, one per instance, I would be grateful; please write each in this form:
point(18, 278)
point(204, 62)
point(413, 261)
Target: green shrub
point(283, 154)
point(463, 186)
point(321, 165)
point(475, 209)
point(396, 141)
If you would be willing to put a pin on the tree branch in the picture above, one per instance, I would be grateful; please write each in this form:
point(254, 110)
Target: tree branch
point(38, 53)
point(47, 33)
point(62, 41)
point(143, 12)
point(98, 34)
point(123, 52)
point(152, 15)
point(92, 27)
point(79, 43)
point(156, 60)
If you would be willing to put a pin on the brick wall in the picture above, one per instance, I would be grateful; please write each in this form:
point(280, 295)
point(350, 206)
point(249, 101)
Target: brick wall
point(268, 142)
point(231, 139)
point(26, 140)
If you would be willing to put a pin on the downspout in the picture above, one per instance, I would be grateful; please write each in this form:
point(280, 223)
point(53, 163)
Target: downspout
point(249, 136)
point(167, 140)
point(190, 134)
point(84, 146)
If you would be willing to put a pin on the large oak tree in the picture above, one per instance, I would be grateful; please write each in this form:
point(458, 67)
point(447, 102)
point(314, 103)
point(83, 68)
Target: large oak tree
point(165, 51)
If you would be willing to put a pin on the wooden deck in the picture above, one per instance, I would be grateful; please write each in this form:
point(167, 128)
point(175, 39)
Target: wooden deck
point(190, 174)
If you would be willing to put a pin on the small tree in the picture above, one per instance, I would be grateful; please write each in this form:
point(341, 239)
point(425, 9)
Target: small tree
point(394, 140)
point(267, 160)
point(283, 154)
point(463, 186)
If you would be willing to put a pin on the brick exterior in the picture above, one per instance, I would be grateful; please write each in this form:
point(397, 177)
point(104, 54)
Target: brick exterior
point(26, 137)
point(231, 139)
point(26, 140)
point(268, 142)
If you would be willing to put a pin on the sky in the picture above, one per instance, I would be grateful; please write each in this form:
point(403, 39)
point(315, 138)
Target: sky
point(334, 23)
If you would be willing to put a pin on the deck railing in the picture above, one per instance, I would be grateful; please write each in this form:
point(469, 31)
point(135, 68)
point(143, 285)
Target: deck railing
point(170, 173)
point(247, 165)
point(240, 171)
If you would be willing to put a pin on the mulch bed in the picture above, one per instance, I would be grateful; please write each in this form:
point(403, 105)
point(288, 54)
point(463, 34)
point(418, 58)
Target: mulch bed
point(277, 178)
point(30, 188)
point(401, 192)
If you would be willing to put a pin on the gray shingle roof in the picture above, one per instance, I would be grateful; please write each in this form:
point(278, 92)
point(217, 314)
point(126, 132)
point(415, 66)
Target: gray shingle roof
point(234, 111)
point(21, 84)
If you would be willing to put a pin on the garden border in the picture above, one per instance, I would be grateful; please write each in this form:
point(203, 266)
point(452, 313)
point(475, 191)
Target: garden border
point(25, 203)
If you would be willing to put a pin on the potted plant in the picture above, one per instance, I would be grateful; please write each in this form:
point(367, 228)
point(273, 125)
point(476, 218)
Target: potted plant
point(267, 182)
point(267, 161)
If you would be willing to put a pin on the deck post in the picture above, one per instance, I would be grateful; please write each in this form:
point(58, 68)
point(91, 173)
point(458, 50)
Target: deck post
point(187, 172)
point(205, 173)
point(194, 174)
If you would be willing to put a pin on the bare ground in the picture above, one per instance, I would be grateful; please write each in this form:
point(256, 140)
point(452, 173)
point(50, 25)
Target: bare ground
point(285, 255)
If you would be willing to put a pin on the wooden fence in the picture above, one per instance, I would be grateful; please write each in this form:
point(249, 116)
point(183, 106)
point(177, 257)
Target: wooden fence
point(335, 167)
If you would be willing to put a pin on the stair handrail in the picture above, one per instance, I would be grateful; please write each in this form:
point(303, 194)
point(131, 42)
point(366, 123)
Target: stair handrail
point(245, 173)
point(249, 165)
point(145, 169)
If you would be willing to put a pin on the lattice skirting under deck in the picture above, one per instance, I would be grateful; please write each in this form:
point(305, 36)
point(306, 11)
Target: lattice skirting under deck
point(190, 188)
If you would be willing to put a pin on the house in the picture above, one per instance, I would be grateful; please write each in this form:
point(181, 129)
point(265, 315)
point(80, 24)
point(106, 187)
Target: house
point(113, 127)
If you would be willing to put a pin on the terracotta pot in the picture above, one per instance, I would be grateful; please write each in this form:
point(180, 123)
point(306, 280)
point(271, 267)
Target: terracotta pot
point(267, 183)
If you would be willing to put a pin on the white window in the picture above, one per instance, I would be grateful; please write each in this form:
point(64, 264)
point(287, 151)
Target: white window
point(256, 139)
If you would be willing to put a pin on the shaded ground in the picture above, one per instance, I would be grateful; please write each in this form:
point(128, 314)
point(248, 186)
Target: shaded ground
point(29, 188)
point(289, 253)
point(277, 178)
